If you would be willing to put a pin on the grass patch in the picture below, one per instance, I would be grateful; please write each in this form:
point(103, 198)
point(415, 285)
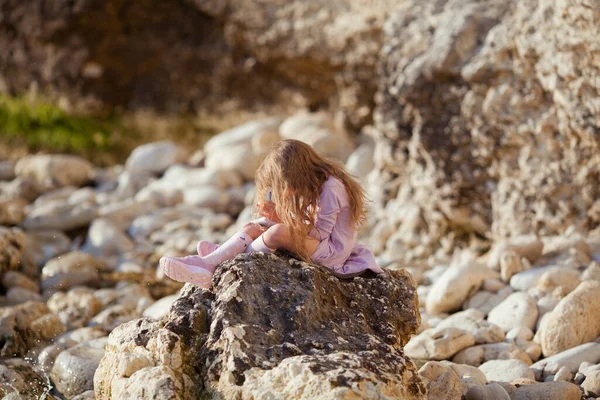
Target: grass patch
point(38, 125)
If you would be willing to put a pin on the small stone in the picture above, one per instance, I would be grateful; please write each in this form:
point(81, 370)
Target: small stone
point(548, 390)
point(73, 370)
point(48, 326)
point(13, 279)
point(105, 240)
point(154, 157)
point(564, 374)
point(521, 332)
point(446, 387)
point(55, 170)
point(12, 244)
point(491, 391)
point(455, 286)
point(559, 281)
point(44, 245)
point(60, 216)
point(473, 321)
point(529, 247)
point(493, 285)
point(519, 309)
point(479, 354)
point(510, 264)
point(12, 212)
point(592, 272)
point(71, 269)
point(571, 359)
point(160, 308)
point(506, 370)
point(76, 307)
point(18, 295)
point(438, 344)
point(525, 280)
point(591, 384)
point(574, 321)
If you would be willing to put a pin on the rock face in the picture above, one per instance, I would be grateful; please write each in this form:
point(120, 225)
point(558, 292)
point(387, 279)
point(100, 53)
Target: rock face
point(477, 96)
point(326, 338)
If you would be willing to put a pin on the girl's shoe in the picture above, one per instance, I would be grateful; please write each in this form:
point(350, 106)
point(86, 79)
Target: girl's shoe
point(186, 269)
point(204, 248)
point(199, 270)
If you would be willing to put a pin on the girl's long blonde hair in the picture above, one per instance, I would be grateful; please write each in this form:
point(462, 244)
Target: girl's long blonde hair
point(295, 174)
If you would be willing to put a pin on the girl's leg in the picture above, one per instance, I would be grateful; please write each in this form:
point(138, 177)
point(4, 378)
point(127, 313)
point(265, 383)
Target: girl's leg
point(204, 247)
point(278, 237)
point(199, 270)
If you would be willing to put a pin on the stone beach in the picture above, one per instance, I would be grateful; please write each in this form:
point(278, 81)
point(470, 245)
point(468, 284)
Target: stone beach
point(472, 125)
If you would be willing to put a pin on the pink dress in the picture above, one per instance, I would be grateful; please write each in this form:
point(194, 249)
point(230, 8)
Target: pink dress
point(338, 249)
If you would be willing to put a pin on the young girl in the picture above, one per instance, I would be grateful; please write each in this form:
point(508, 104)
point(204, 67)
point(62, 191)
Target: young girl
point(316, 212)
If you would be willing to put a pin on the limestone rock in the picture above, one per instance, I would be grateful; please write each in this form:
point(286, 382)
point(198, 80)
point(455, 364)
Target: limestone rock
point(226, 329)
point(105, 239)
point(60, 216)
point(519, 309)
point(571, 358)
point(56, 170)
point(574, 321)
point(69, 270)
point(528, 247)
point(591, 385)
point(479, 354)
point(559, 281)
point(154, 157)
point(455, 286)
point(548, 390)
point(506, 370)
point(473, 321)
point(438, 343)
point(73, 370)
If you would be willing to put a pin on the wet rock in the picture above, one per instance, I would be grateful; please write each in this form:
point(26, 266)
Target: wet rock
point(226, 330)
point(518, 309)
point(73, 370)
point(76, 307)
point(12, 244)
point(154, 157)
point(574, 321)
point(506, 370)
point(21, 382)
point(479, 354)
point(56, 170)
point(547, 390)
point(456, 285)
point(438, 343)
point(71, 269)
point(16, 332)
point(473, 321)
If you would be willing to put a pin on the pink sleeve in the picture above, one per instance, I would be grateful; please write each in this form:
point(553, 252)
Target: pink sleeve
point(329, 208)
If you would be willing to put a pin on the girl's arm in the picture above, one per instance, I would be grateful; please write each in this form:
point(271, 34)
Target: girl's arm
point(329, 208)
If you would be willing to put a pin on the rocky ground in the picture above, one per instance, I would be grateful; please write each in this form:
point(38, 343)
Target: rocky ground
point(86, 314)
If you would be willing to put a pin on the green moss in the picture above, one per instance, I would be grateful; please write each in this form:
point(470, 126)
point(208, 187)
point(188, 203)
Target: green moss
point(40, 125)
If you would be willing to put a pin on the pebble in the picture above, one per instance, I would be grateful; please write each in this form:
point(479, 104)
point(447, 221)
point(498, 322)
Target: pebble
point(473, 321)
point(491, 391)
point(574, 321)
point(518, 309)
point(548, 390)
point(154, 157)
point(71, 269)
point(479, 354)
point(438, 344)
point(506, 370)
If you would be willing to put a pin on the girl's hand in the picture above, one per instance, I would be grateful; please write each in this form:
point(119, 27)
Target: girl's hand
point(267, 210)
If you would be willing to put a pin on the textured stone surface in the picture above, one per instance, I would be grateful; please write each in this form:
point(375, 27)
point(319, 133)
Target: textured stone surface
point(238, 341)
point(12, 244)
point(497, 88)
point(21, 382)
point(574, 321)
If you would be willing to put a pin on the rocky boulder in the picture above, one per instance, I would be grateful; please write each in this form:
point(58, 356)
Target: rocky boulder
point(271, 327)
